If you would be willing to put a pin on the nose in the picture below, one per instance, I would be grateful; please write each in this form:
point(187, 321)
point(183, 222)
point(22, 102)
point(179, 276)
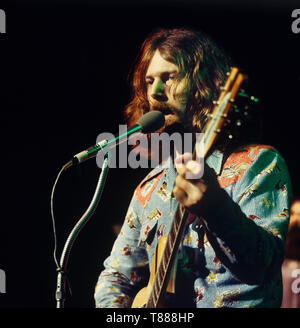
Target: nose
point(158, 90)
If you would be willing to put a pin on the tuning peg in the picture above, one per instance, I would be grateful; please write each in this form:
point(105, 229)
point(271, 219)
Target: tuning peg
point(238, 122)
point(218, 130)
point(215, 102)
point(254, 99)
point(242, 93)
point(230, 136)
point(226, 122)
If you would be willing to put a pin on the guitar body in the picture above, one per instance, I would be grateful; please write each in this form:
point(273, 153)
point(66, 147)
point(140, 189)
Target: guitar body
point(141, 298)
point(143, 295)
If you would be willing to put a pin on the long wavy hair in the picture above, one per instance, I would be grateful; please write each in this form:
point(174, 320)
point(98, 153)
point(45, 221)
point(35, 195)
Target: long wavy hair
point(199, 59)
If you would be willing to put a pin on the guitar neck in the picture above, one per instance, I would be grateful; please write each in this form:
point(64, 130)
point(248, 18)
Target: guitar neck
point(167, 260)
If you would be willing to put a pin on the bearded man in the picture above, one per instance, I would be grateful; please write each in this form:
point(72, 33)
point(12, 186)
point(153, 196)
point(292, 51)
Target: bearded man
point(232, 247)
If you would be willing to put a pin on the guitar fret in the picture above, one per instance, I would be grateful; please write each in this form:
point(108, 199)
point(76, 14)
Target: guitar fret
point(172, 233)
point(163, 260)
point(151, 303)
point(160, 275)
point(169, 247)
point(170, 241)
point(175, 225)
point(154, 297)
point(156, 291)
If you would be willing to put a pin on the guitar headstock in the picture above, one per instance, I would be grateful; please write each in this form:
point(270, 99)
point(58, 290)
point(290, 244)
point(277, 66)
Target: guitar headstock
point(231, 112)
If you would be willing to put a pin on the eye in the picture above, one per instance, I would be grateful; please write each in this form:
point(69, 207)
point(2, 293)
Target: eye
point(171, 79)
point(167, 77)
point(149, 81)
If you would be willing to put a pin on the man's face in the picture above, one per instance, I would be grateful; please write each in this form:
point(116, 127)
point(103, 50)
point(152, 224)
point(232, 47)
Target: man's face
point(163, 93)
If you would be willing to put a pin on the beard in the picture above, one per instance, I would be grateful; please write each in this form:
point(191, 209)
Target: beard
point(173, 120)
point(174, 123)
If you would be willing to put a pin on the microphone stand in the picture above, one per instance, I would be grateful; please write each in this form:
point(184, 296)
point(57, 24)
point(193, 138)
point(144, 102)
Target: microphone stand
point(62, 270)
point(149, 122)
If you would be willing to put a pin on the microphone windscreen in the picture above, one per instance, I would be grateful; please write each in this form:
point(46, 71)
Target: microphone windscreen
point(152, 121)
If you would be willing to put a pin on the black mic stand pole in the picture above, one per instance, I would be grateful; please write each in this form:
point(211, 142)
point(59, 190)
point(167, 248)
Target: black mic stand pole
point(62, 270)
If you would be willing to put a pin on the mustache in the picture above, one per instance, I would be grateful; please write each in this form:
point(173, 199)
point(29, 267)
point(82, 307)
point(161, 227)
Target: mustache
point(161, 107)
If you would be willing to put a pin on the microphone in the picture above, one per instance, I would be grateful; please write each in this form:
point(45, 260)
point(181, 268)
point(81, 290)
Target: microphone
point(150, 122)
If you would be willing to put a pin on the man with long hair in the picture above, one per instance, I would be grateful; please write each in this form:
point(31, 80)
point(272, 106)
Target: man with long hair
point(232, 247)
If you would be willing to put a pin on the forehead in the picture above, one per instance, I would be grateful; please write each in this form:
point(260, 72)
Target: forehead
point(159, 65)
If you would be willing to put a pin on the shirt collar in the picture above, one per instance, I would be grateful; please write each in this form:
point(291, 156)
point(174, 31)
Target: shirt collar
point(215, 161)
point(166, 165)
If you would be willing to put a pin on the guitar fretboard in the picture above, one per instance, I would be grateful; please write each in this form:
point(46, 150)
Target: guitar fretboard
point(167, 259)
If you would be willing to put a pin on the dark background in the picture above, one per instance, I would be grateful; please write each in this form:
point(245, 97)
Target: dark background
point(63, 73)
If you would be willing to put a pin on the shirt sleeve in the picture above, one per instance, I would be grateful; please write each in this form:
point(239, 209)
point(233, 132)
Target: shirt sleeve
point(249, 227)
point(125, 268)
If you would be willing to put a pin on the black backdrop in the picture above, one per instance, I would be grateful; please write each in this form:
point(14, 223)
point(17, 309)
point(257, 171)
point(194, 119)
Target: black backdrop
point(63, 79)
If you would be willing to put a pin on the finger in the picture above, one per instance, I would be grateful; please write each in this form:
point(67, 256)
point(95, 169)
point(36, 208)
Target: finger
point(194, 170)
point(194, 191)
point(179, 194)
point(191, 171)
point(181, 169)
point(180, 162)
point(189, 187)
point(182, 158)
point(188, 200)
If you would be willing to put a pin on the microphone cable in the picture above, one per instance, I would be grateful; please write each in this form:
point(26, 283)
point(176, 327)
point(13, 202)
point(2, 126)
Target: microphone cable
point(52, 216)
point(61, 266)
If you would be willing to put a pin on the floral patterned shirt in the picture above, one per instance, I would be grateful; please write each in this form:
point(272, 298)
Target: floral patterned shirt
point(233, 261)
